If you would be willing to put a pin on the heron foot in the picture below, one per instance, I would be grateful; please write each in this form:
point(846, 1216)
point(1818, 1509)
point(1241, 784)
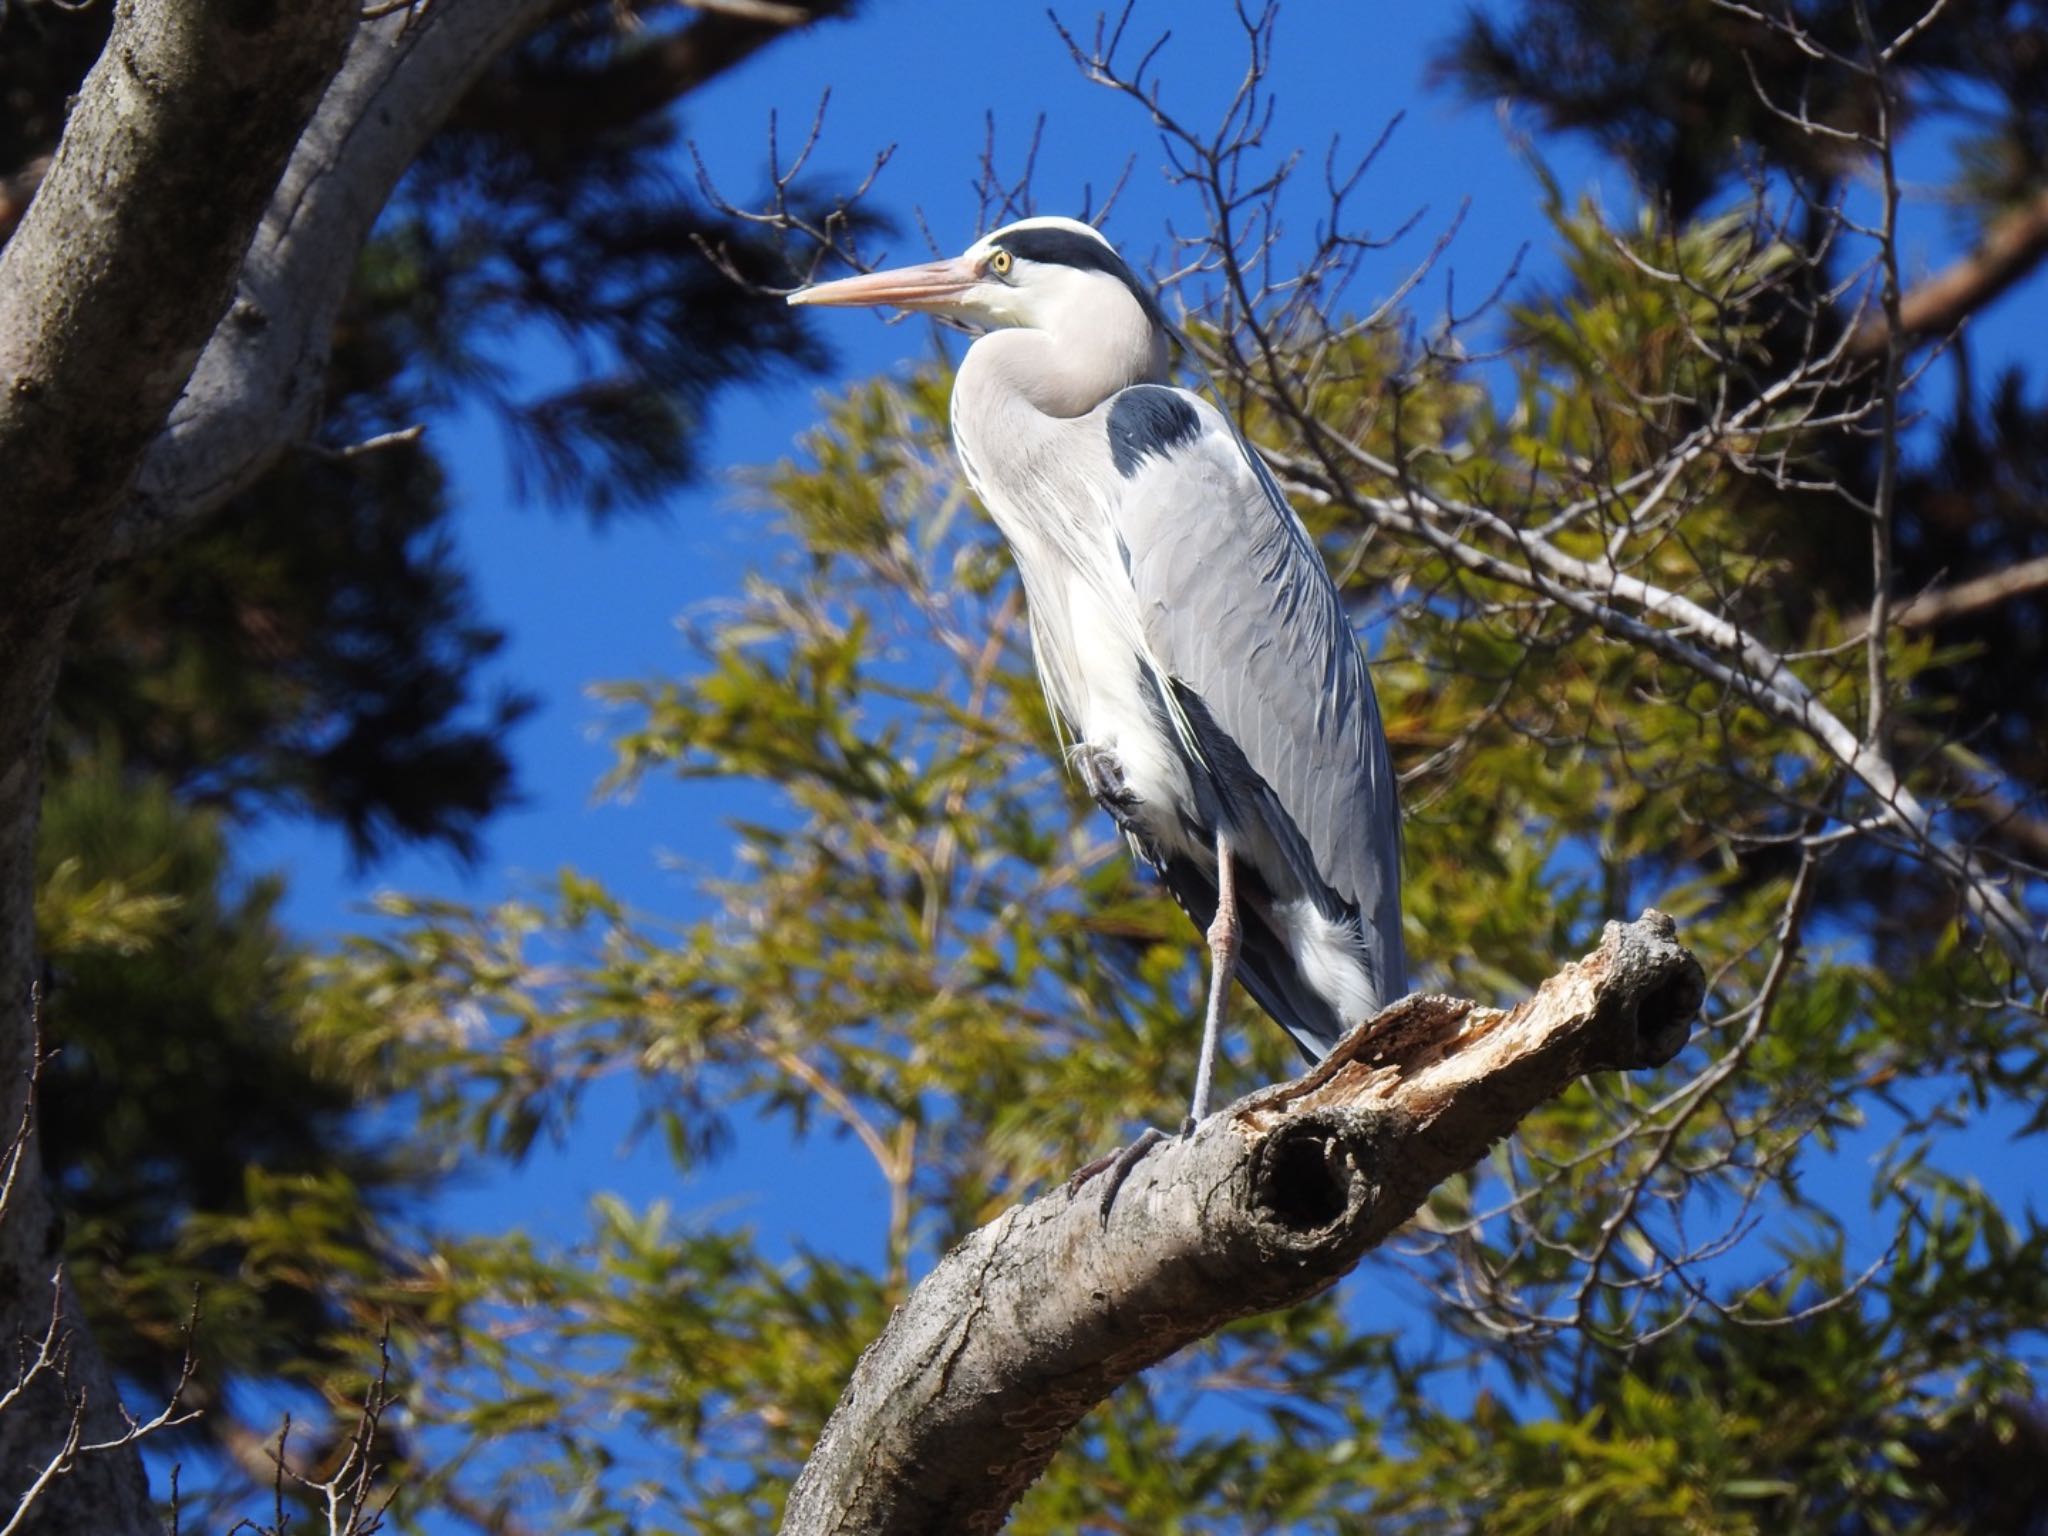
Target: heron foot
point(1102, 773)
point(1118, 1166)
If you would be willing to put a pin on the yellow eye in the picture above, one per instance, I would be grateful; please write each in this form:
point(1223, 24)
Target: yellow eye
point(1000, 262)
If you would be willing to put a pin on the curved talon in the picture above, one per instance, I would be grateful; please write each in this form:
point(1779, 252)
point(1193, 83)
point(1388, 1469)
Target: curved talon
point(1118, 1165)
point(1087, 1171)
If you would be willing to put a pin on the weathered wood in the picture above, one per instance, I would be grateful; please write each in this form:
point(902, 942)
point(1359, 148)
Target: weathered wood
point(1035, 1318)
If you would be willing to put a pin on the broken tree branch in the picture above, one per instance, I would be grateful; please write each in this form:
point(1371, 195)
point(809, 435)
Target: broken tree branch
point(1038, 1316)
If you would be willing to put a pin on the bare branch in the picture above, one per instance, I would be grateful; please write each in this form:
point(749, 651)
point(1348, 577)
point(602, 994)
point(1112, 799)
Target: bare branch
point(767, 12)
point(47, 1371)
point(400, 438)
point(821, 235)
point(1711, 645)
point(353, 1498)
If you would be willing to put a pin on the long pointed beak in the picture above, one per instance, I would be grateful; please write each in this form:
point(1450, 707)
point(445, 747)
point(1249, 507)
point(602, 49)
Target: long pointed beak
point(931, 285)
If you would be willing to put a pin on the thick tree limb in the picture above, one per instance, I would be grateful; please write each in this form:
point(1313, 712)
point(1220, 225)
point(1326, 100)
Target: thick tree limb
point(111, 284)
point(258, 385)
point(1038, 1316)
point(2013, 245)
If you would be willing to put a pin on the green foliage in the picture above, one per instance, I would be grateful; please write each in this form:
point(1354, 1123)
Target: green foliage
point(317, 663)
point(1653, 1311)
point(222, 1180)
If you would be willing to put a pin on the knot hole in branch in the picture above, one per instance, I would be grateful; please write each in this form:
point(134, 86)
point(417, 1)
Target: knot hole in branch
point(1316, 1172)
point(1660, 1010)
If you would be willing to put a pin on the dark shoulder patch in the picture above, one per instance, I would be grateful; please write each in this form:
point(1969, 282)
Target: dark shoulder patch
point(1148, 418)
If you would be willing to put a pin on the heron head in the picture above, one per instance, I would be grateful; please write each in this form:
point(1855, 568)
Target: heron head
point(1046, 274)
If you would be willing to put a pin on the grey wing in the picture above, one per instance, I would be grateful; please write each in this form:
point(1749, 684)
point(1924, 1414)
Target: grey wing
point(1240, 612)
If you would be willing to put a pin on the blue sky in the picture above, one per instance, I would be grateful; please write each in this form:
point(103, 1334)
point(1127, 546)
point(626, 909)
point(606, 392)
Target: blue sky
point(582, 605)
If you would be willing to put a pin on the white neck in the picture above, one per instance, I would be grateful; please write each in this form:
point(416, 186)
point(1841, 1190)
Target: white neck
point(1103, 342)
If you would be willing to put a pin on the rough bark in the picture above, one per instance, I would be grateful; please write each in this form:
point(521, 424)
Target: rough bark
point(118, 271)
point(1038, 1316)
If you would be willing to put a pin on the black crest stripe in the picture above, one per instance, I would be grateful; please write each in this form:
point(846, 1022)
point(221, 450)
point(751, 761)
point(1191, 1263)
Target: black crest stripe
point(1065, 248)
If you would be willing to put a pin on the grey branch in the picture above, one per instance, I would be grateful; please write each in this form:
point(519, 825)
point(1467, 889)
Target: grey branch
point(1038, 1316)
point(259, 383)
point(1711, 644)
point(1938, 605)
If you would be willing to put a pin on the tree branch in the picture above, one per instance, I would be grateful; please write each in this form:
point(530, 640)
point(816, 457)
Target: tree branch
point(259, 383)
point(1938, 605)
point(1042, 1313)
point(110, 285)
point(2013, 245)
point(1710, 644)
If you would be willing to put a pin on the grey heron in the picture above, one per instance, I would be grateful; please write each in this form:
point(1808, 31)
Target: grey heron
point(1192, 646)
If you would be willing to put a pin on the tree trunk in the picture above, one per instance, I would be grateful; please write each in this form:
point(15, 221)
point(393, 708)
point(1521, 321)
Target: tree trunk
point(117, 273)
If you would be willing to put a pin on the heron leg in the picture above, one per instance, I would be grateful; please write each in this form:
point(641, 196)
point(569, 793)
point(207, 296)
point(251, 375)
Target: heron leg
point(1224, 933)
